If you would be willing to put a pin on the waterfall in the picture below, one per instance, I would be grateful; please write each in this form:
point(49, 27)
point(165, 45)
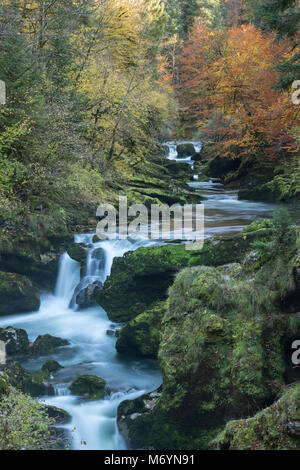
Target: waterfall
point(68, 278)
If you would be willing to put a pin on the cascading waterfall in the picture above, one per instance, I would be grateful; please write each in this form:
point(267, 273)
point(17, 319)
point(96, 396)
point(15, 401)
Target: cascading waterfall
point(91, 350)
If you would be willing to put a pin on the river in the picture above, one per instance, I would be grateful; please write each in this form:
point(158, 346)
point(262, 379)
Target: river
point(91, 349)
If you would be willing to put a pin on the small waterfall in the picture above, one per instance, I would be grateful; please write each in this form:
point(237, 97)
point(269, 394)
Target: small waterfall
point(68, 278)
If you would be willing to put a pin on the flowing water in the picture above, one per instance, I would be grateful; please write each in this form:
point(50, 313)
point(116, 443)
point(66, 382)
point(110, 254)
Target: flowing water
point(91, 349)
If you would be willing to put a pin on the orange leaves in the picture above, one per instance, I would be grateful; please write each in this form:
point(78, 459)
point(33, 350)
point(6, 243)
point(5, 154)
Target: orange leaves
point(227, 80)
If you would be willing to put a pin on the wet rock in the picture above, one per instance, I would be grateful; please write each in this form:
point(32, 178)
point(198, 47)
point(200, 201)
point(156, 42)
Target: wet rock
point(86, 296)
point(185, 150)
point(110, 333)
point(46, 344)
point(78, 252)
point(34, 384)
point(58, 414)
point(90, 385)
point(141, 336)
point(17, 294)
point(220, 166)
point(16, 340)
point(197, 157)
point(51, 366)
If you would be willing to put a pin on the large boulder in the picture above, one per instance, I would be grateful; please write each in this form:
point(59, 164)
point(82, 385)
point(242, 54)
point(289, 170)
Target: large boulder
point(86, 297)
point(78, 252)
point(88, 385)
point(50, 366)
point(220, 166)
point(47, 344)
point(221, 352)
point(59, 415)
point(141, 278)
point(16, 341)
point(185, 150)
point(274, 428)
point(17, 294)
point(141, 336)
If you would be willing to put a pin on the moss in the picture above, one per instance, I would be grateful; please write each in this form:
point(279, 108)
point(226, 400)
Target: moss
point(274, 428)
point(185, 150)
point(46, 344)
point(34, 384)
point(90, 385)
point(51, 366)
point(78, 252)
point(221, 350)
point(141, 335)
point(126, 292)
point(17, 294)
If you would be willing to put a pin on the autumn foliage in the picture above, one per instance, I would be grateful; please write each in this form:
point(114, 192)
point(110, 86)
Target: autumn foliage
point(227, 80)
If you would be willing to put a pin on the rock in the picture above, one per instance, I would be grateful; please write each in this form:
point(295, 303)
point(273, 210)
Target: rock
point(221, 356)
point(110, 333)
point(58, 414)
point(51, 366)
point(197, 157)
point(259, 193)
point(98, 256)
point(46, 344)
point(78, 252)
point(86, 297)
point(185, 150)
point(34, 384)
point(274, 428)
point(127, 292)
point(132, 419)
point(141, 336)
point(16, 340)
point(90, 385)
point(219, 166)
point(17, 294)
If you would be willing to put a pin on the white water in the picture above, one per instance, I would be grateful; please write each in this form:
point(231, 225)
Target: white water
point(91, 350)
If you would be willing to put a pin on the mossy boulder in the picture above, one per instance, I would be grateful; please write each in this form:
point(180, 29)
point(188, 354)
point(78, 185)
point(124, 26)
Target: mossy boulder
point(220, 166)
point(274, 428)
point(185, 150)
point(88, 385)
point(16, 341)
point(221, 351)
point(141, 336)
point(35, 384)
point(51, 366)
point(141, 278)
point(47, 344)
point(78, 252)
point(34, 249)
point(17, 294)
point(59, 415)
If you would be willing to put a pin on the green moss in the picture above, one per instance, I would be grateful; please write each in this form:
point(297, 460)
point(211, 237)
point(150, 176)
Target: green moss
point(17, 294)
point(126, 292)
point(51, 366)
point(274, 428)
point(46, 344)
point(141, 335)
point(185, 150)
point(34, 384)
point(90, 385)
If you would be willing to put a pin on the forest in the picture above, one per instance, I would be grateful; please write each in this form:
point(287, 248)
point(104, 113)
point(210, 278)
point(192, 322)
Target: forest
point(98, 94)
